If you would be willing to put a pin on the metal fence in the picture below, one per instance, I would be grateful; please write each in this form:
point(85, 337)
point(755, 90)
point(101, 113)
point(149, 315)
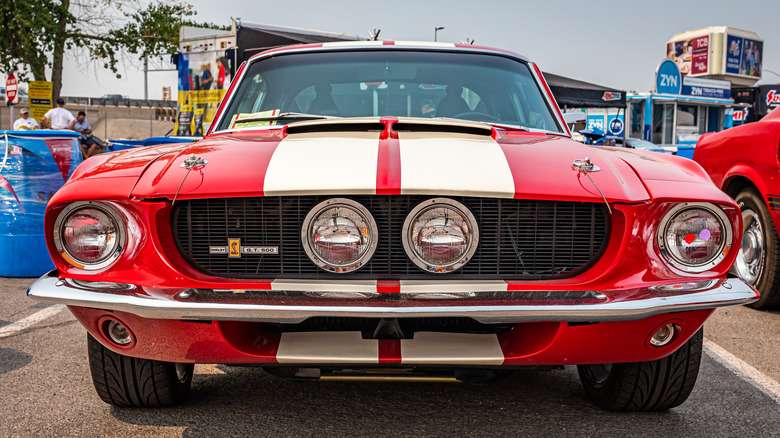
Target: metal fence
point(127, 103)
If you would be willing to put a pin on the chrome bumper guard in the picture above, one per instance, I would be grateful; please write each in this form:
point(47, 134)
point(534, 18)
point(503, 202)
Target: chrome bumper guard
point(488, 307)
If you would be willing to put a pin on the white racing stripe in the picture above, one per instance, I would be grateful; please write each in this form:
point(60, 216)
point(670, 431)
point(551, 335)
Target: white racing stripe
point(423, 44)
point(324, 286)
point(420, 286)
point(345, 162)
point(742, 369)
point(452, 348)
point(31, 320)
point(454, 164)
point(327, 347)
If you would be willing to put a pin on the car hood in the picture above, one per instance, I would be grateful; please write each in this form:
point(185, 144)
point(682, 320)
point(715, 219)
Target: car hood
point(380, 156)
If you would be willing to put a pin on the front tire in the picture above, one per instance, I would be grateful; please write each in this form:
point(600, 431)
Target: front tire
point(126, 381)
point(645, 386)
point(757, 260)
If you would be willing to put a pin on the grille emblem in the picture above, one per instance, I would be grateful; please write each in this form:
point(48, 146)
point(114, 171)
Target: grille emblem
point(234, 250)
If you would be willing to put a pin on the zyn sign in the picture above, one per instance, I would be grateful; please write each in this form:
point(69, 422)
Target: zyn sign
point(667, 78)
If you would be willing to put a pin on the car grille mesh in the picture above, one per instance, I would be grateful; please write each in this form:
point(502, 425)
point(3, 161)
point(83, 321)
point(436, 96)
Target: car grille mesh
point(519, 239)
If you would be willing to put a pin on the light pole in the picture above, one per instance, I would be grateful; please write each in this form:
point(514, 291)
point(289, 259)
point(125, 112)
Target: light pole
point(436, 32)
point(770, 71)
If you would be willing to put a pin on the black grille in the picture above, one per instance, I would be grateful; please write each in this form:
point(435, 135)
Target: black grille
point(519, 239)
point(408, 326)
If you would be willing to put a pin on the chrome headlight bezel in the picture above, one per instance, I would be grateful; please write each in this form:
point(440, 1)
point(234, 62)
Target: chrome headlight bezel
point(356, 207)
point(118, 223)
point(422, 208)
point(723, 250)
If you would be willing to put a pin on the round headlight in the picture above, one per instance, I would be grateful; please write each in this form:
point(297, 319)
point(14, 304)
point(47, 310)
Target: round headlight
point(695, 237)
point(339, 235)
point(89, 235)
point(440, 235)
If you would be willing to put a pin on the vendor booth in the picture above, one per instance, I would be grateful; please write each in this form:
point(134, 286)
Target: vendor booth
point(604, 107)
point(33, 166)
point(680, 109)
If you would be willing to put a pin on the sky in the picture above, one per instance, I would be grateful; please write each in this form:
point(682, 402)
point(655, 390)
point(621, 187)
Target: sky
point(614, 43)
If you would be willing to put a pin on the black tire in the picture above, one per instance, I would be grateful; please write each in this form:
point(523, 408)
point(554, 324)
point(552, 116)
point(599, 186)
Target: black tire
point(767, 281)
point(126, 381)
point(645, 386)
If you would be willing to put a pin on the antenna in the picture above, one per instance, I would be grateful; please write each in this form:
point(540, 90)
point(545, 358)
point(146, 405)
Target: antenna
point(374, 34)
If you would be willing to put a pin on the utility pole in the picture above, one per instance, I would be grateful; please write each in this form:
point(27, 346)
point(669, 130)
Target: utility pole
point(436, 33)
point(146, 77)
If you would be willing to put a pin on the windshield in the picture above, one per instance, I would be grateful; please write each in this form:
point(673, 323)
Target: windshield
point(480, 87)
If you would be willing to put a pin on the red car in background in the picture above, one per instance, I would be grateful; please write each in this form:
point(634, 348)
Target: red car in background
point(744, 162)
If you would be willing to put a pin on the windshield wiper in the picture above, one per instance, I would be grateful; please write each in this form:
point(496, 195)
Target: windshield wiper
point(284, 116)
point(506, 126)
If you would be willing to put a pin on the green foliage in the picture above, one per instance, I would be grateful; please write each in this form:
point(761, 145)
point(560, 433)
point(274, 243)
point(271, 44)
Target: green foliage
point(28, 33)
point(36, 33)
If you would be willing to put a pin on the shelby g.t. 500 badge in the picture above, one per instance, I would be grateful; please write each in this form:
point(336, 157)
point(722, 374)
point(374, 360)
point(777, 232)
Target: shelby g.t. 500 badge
point(235, 250)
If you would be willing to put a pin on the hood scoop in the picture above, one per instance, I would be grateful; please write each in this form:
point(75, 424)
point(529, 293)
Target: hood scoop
point(402, 124)
point(335, 126)
point(435, 126)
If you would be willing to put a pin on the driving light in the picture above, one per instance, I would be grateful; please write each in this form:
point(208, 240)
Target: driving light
point(89, 235)
point(664, 335)
point(694, 237)
point(118, 333)
point(339, 235)
point(440, 235)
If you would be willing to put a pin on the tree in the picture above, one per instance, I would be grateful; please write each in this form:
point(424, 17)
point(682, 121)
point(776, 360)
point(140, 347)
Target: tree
point(36, 34)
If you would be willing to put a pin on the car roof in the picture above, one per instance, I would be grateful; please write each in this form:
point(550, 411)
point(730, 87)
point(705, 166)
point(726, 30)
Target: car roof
point(427, 45)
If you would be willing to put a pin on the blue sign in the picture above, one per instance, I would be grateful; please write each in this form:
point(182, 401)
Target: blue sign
point(733, 54)
point(616, 125)
point(667, 78)
point(699, 87)
point(596, 123)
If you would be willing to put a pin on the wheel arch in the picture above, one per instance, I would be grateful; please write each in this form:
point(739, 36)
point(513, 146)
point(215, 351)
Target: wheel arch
point(734, 184)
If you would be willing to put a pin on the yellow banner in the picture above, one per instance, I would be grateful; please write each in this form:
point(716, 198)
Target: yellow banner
point(40, 98)
point(184, 120)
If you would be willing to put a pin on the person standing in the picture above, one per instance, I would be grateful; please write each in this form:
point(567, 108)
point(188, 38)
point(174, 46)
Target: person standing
point(59, 117)
point(207, 79)
point(220, 74)
point(25, 121)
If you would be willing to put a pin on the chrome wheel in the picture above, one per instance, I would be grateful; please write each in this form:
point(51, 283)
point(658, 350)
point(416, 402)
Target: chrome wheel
point(750, 259)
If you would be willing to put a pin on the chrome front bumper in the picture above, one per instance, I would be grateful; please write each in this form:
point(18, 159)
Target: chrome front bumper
point(489, 307)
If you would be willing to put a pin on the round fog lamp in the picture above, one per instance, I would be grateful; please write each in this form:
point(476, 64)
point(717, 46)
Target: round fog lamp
point(695, 237)
point(118, 333)
point(339, 235)
point(440, 235)
point(663, 335)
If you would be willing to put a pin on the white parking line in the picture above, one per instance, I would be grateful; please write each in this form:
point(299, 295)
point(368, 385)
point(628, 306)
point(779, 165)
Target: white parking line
point(31, 320)
point(745, 371)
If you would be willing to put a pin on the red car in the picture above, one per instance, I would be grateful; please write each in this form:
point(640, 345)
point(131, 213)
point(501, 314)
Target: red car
point(743, 161)
point(327, 224)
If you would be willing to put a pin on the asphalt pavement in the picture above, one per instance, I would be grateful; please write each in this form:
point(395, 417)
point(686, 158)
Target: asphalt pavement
point(46, 390)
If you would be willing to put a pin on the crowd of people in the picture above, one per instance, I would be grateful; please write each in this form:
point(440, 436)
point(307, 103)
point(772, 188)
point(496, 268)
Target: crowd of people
point(60, 118)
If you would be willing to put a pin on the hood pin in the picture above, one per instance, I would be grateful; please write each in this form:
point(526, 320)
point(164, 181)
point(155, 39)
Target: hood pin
point(586, 166)
point(191, 162)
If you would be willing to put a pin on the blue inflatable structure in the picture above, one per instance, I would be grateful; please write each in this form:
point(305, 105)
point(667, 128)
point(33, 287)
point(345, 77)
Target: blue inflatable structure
point(33, 166)
point(120, 145)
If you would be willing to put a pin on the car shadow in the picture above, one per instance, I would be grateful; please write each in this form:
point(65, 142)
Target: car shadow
point(248, 399)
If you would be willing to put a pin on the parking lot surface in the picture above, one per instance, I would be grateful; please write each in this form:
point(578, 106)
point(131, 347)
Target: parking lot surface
point(46, 390)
